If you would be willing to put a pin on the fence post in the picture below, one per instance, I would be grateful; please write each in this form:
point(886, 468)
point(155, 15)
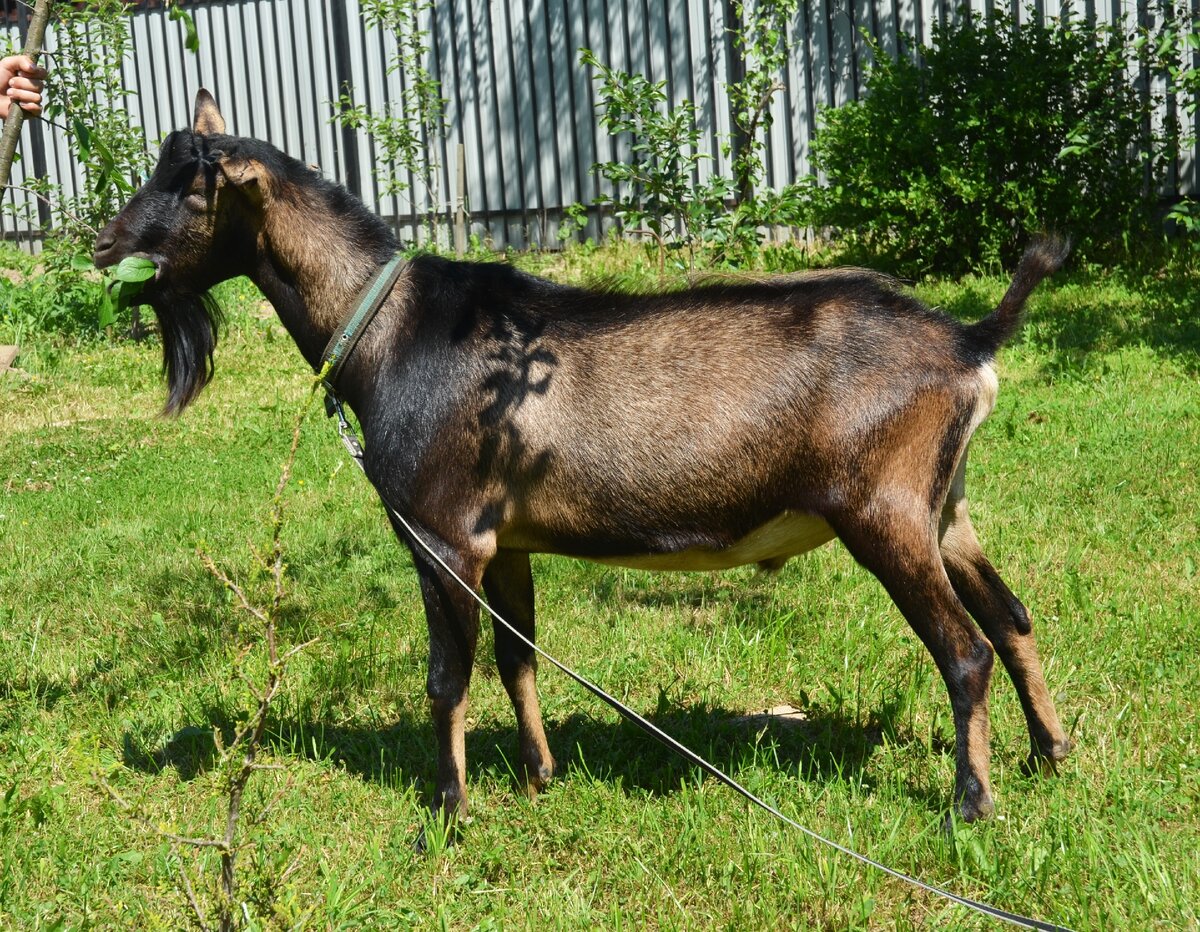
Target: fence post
point(460, 212)
point(341, 64)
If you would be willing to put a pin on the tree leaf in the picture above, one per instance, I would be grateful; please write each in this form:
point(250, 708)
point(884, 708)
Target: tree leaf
point(134, 269)
point(192, 39)
point(108, 311)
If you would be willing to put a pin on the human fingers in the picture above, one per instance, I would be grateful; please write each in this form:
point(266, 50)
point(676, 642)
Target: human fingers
point(29, 101)
point(26, 85)
point(24, 64)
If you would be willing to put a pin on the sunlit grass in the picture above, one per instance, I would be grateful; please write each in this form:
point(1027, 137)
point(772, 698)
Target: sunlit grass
point(116, 648)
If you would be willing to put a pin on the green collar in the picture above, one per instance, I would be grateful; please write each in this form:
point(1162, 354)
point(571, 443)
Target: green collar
point(345, 338)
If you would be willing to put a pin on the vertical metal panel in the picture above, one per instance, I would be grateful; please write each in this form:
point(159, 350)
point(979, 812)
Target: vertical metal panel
point(803, 113)
point(547, 84)
point(440, 61)
point(559, 55)
point(596, 39)
point(479, 170)
point(511, 151)
point(531, 96)
point(562, 53)
point(365, 71)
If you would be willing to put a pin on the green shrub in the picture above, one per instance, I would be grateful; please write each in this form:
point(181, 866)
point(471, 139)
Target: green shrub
point(653, 193)
point(995, 134)
point(93, 40)
point(54, 292)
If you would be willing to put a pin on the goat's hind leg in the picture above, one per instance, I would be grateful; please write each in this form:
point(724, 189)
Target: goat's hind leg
point(1006, 623)
point(900, 549)
point(508, 582)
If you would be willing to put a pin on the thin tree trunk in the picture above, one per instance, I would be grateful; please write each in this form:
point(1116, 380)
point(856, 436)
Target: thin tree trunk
point(16, 116)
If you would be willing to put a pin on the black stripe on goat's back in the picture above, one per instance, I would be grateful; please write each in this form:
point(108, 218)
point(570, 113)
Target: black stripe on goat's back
point(876, 311)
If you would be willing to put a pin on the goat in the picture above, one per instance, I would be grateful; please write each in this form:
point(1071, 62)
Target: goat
point(699, 430)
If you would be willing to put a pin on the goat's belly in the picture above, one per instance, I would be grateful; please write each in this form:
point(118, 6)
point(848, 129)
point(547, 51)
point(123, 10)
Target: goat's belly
point(784, 536)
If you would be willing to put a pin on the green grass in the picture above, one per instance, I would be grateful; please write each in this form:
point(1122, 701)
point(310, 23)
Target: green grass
point(118, 651)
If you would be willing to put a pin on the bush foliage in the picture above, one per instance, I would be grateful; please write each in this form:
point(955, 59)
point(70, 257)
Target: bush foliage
point(951, 162)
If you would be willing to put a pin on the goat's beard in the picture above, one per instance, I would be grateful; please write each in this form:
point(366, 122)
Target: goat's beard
point(189, 324)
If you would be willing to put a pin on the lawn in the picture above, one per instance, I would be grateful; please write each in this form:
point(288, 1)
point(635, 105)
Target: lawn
point(119, 655)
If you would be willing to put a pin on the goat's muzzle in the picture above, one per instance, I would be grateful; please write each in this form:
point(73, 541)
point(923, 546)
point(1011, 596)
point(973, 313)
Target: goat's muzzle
point(106, 251)
point(105, 254)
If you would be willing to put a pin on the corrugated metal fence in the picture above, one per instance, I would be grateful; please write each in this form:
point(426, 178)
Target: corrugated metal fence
point(519, 107)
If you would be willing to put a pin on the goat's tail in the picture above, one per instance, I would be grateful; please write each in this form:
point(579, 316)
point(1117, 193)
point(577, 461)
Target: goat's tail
point(1043, 258)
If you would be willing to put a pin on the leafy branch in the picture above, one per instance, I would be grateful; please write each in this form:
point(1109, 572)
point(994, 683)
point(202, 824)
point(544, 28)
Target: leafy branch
point(653, 193)
point(404, 132)
point(656, 192)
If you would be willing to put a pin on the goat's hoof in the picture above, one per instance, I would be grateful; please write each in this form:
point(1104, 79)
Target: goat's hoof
point(981, 810)
point(972, 810)
point(536, 778)
point(966, 813)
point(1045, 762)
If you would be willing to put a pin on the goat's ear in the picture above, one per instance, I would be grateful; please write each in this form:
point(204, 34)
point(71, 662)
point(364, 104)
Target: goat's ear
point(206, 118)
point(249, 175)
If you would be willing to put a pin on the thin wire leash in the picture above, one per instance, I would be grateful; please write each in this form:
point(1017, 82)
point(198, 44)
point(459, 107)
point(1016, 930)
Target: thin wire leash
point(354, 448)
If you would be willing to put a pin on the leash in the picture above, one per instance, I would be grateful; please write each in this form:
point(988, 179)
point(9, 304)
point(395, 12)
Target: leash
point(354, 448)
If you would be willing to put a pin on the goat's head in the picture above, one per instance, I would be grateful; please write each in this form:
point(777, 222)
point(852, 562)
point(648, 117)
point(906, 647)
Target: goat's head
point(197, 220)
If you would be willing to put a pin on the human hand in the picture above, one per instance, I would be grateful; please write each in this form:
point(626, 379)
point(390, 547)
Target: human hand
point(21, 80)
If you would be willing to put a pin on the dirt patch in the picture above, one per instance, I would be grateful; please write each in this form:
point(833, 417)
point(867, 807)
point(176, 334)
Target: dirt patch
point(776, 715)
point(29, 485)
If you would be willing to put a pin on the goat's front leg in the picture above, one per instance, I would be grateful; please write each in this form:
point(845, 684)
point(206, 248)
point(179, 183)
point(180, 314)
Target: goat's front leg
point(453, 619)
point(508, 582)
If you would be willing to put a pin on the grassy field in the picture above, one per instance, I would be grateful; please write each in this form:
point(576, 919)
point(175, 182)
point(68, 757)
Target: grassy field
point(119, 654)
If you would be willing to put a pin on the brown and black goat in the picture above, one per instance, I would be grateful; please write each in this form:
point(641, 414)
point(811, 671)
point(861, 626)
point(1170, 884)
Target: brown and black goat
point(696, 430)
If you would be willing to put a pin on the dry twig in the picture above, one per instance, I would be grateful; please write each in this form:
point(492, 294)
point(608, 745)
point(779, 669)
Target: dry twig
point(247, 740)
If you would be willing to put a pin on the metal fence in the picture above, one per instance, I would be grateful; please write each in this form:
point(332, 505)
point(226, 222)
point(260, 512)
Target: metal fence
point(520, 110)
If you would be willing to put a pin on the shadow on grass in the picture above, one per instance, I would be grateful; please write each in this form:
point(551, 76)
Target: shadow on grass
point(190, 751)
point(674, 593)
point(822, 747)
point(47, 691)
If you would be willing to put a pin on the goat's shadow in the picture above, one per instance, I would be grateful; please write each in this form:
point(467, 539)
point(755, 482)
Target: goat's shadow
point(672, 591)
point(819, 746)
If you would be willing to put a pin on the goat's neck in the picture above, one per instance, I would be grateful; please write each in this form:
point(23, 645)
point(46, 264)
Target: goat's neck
point(310, 267)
